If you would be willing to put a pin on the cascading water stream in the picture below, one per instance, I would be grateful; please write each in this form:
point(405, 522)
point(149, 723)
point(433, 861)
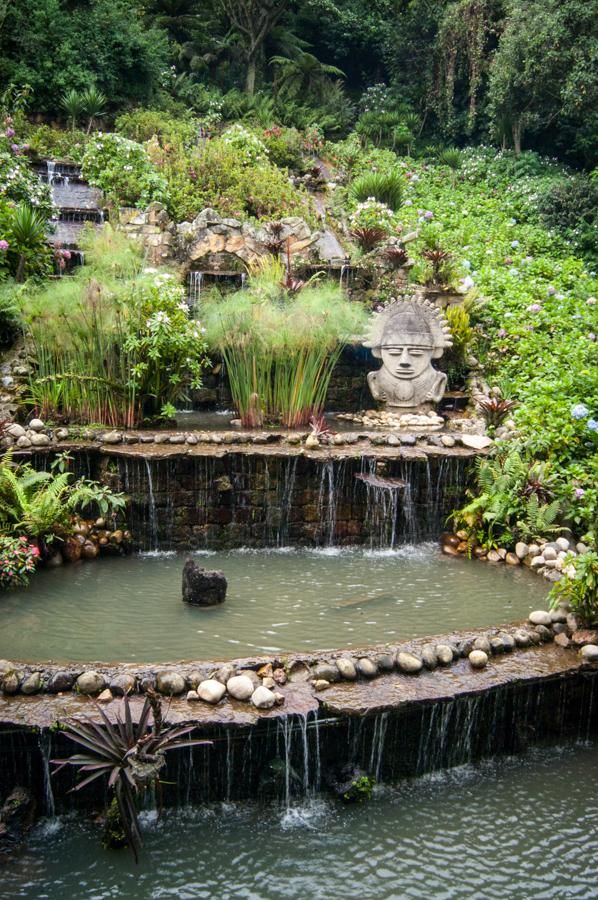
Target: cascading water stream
point(153, 519)
point(194, 296)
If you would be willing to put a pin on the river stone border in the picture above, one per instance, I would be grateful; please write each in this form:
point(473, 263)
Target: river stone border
point(258, 681)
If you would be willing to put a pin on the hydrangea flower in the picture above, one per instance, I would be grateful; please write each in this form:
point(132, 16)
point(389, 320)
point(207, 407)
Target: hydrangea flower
point(514, 244)
point(4, 245)
point(579, 492)
point(591, 301)
point(467, 282)
point(593, 424)
point(428, 215)
point(535, 307)
point(551, 289)
point(502, 333)
point(580, 411)
point(592, 336)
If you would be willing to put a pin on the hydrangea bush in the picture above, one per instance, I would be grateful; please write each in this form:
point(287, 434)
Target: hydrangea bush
point(250, 149)
point(373, 214)
point(19, 183)
point(122, 168)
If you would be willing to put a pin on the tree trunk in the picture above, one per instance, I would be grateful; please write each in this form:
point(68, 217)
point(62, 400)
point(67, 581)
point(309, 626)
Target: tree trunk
point(516, 129)
point(250, 78)
point(20, 273)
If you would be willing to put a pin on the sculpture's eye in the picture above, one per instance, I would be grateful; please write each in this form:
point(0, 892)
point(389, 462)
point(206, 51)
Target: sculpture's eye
point(413, 351)
point(394, 351)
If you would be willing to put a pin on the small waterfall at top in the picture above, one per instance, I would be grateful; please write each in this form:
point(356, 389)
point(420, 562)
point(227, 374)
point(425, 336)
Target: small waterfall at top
point(194, 296)
point(153, 520)
point(50, 171)
point(243, 280)
point(343, 270)
point(287, 486)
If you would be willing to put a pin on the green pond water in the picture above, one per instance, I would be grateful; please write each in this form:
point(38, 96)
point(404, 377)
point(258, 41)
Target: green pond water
point(130, 608)
point(513, 828)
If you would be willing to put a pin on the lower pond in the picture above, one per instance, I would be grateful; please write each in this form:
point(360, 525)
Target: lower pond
point(518, 828)
point(130, 608)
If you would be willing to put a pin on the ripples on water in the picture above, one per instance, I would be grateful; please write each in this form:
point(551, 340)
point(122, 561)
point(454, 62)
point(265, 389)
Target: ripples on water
point(515, 828)
point(130, 608)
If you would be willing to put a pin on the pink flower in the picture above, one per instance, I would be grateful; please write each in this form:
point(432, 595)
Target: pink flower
point(34, 550)
point(591, 301)
point(535, 307)
point(15, 148)
point(579, 492)
point(4, 245)
point(10, 132)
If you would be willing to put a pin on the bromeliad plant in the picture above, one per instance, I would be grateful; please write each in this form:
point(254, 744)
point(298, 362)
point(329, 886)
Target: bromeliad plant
point(280, 347)
point(128, 755)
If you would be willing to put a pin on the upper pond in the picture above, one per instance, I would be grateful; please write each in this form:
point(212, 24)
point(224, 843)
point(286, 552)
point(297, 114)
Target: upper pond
point(130, 608)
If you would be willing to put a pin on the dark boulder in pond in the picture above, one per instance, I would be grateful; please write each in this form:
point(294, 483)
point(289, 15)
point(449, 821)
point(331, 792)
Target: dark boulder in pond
point(17, 815)
point(202, 587)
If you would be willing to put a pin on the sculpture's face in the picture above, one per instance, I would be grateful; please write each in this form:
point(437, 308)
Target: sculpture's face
point(406, 361)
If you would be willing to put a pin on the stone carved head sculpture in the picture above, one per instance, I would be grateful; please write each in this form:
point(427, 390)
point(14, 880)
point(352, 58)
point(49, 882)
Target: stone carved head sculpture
point(407, 335)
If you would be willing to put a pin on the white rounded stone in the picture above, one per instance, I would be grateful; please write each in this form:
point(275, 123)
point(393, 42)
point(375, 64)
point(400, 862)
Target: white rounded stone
point(36, 425)
point(240, 687)
point(211, 691)
point(262, 698)
point(540, 617)
point(563, 543)
point(589, 652)
point(408, 662)
point(478, 659)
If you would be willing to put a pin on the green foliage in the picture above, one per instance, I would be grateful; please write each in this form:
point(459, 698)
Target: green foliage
point(46, 142)
point(59, 45)
point(581, 588)
point(130, 754)
point(73, 103)
point(360, 790)
point(386, 187)
point(280, 348)
point(10, 313)
point(143, 124)
point(123, 170)
point(42, 505)
point(513, 500)
point(93, 103)
point(18, 181)
point(230, 174)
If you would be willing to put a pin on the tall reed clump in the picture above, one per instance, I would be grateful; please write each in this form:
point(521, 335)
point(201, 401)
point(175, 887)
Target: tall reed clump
point(113, 344)
point(280, 346)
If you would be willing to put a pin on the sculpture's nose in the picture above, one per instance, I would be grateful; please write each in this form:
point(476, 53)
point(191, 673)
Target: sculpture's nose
point(405, 362)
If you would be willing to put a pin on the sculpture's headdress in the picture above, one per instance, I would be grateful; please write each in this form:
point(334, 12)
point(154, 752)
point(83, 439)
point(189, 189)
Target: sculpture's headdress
point(413, 321)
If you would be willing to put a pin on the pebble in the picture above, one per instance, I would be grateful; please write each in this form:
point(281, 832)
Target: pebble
point(522, 638)
point(326, 670)
point(589, 653)
point(212, 691)
point(540, 617)
point(112, 437)
point(91, 682)
point(320, 684)
point(508, 640)
point(581, 548)
point(493, 556)
point(106, 696)
point(60, 681)
point(385, 662)
point(40, 440)
point(240, 687)
point(562, 640)
point(497, 645)
point(16, 431)
point(444, 654)
point(512, 559)
point(482, 643)
point(544, 632)
point(346, 667)
point(170, 683)
point(538, 562)
point(521, 550)
point(122, 683)
point(192, 696)
point(447, 440)
point(409, 663)
point(429, 656)
point(367, 667)
point(478, 659)
point(476, 441)
point(23, 442)
point(558, 615)
point(263, 698)
point(549, 553)
point(32, 684)
point(562, 543)
point(10, 683)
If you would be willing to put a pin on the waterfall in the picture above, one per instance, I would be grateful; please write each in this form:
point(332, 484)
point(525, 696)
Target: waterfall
point(331, 481)
point(45, 748)
point(343, 270)
point(153, 522)
point(50, 171)
point(287, 486)
point(243, 280)
point(194, 297)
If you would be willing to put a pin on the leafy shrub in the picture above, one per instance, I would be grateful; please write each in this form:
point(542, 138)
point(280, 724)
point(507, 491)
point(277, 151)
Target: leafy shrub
point(17, 561)
point(250, 150)
point(10, 314)
point(284, 146)
point(579, 587)
point(218, 176)
point(386, 187)
point(373, 214)
point(46, 142)
point(18, 182)
point(142, 124)
point(122, 169)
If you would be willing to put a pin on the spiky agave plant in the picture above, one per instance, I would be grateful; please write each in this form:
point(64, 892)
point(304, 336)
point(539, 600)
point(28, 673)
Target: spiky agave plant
point(495, 410)
point(130, 754)
point(386, 187)
point(368, 238)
